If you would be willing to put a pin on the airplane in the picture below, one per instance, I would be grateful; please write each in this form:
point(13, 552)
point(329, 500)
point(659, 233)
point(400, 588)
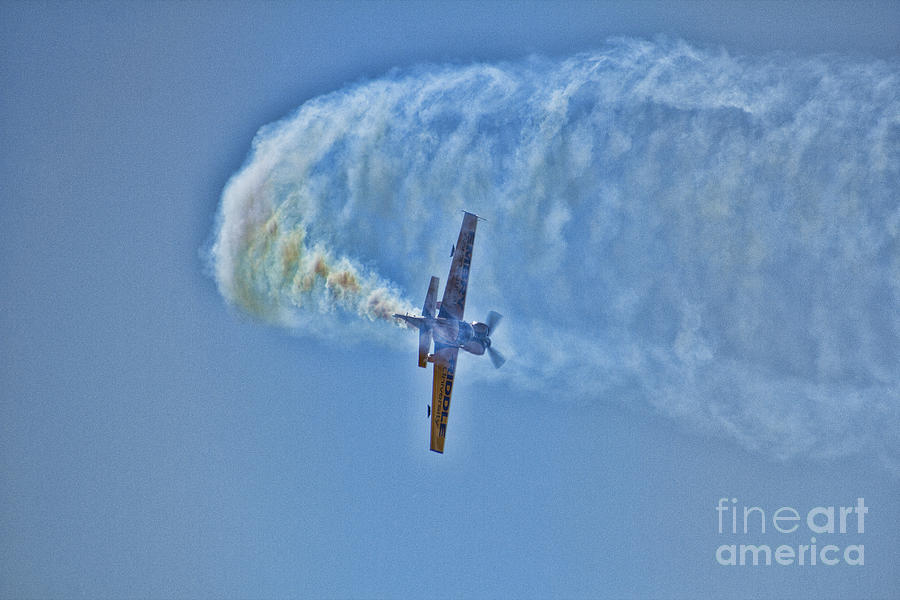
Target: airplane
point(450, 332)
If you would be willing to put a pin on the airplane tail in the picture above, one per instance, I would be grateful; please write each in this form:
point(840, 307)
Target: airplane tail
point(430, 298)
point(428, 313)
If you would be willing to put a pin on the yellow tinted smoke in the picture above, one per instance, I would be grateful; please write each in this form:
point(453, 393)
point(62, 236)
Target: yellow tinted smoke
point(277, 270)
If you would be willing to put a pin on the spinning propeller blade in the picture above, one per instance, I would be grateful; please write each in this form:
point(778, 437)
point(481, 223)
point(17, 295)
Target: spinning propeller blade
point(493, 319)
point(496, 357)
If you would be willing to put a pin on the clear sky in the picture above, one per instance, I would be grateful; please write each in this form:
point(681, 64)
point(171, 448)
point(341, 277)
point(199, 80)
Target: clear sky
point(156, 443)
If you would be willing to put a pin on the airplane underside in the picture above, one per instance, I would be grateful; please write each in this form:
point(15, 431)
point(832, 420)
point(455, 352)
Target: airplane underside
point(442, 324)
point(471, 337)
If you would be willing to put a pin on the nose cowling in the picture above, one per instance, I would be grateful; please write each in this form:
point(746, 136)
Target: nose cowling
point(482, 341)
point(476, 346)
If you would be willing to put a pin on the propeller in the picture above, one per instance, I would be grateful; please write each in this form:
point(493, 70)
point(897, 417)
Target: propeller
point(493, 319)
point(496, 358)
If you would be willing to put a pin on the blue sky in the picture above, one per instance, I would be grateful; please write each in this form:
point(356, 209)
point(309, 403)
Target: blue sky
point(154, 442)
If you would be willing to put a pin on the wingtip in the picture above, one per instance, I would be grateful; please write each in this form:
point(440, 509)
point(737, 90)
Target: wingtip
point(466, 212)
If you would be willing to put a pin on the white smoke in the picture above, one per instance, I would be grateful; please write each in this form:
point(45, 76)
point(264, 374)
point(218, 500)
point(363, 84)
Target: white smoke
point(711, 236)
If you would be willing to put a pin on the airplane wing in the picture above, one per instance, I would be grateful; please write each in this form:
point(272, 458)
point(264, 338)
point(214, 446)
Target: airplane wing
point(444, 371)
point(453, 303)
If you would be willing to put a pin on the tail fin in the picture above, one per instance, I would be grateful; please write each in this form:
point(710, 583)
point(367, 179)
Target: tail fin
point(428, 313)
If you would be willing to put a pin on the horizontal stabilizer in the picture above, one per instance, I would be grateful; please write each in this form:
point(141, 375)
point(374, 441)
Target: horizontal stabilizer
point(424, 346)
point(431, 297)
point(428, 311)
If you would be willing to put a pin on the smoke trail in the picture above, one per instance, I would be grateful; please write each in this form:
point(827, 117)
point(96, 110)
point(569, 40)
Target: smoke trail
point(714, 237)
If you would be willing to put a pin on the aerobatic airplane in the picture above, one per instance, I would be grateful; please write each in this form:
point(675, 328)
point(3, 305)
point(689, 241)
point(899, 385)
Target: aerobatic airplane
point(450, 332)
